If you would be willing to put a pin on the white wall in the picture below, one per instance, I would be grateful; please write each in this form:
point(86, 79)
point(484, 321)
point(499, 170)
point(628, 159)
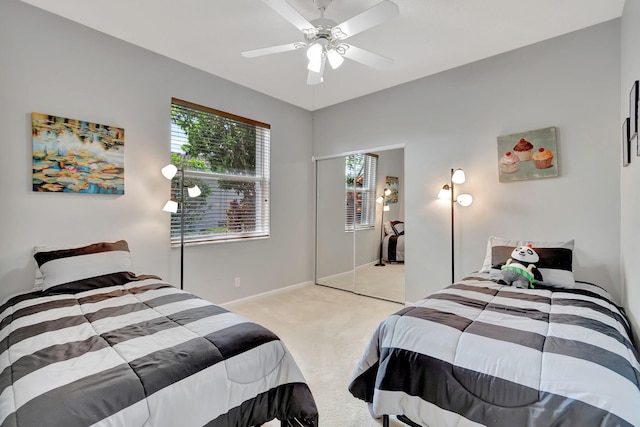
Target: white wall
point(54, 66)
point(452, 120)
point(630, 176)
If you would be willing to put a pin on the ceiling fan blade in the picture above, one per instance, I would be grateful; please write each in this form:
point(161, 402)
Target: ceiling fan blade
point(314, 78)
point(272, 49)
point(290, 14)
point(368, 58)
point(375, 15)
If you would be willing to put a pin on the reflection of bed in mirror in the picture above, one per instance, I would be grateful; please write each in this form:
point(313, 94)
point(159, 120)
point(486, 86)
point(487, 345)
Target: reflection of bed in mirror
point(393, 241)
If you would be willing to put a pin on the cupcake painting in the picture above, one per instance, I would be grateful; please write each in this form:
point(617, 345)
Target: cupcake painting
point(528, 155)
point(523, 149)
point(542, 158)
point(509, 163)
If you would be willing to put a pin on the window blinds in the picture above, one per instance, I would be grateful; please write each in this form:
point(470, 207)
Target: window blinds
point(360, 190)
point(228, 158)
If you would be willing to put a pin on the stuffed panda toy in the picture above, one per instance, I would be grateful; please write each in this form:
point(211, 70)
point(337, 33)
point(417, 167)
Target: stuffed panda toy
point(520, 270)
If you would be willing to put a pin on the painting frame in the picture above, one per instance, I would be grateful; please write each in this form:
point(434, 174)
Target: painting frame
point(76, 156)
point(626, 143)
point(528, 155)
point(393, 184)
point(633, 110)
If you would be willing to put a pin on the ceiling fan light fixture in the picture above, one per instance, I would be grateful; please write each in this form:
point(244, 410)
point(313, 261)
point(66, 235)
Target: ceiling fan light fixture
point(337, 33)
point(314, 52)
point(315, 65)
point(335, 59)
point(323, 37)
point(316, 77)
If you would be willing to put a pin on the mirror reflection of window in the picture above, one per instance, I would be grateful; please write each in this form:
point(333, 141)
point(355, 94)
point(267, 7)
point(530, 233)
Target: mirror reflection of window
point(360, 190)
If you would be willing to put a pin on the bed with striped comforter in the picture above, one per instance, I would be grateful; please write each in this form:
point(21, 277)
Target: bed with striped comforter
point(125, 350)
point(480, 353)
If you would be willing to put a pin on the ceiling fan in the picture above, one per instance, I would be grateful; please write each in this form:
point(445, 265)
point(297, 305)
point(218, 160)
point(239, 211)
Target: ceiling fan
point(324, 38)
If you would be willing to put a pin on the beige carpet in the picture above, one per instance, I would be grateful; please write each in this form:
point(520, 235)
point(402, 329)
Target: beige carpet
point(381, 282)
point(326, 330)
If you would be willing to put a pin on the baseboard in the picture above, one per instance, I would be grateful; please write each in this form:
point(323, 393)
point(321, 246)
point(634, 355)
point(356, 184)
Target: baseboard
point(265, 294)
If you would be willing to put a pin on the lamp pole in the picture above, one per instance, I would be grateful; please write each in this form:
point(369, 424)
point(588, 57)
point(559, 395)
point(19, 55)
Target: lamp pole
point(453, 201)
point(448, 192)
point(182, 227)
point(170, 171)
point(380, 263)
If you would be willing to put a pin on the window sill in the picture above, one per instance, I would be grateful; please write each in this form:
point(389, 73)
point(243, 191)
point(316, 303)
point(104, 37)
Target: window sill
point(213, 242)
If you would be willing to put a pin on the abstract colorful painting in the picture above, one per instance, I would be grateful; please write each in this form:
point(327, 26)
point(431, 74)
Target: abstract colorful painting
point(74, 156)
point(393, 184)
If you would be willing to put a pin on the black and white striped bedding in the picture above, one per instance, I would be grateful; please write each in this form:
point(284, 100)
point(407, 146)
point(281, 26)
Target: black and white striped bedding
point(393, 241)
point(121, 350)
point(393, 248)
point(480, 353)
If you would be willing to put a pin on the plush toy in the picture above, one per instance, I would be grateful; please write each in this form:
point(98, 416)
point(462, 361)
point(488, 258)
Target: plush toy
point(520, 270)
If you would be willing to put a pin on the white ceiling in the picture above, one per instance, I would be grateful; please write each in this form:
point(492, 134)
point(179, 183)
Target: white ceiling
point(427, 37)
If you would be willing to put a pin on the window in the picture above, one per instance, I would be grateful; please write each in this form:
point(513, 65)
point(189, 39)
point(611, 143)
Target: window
point(228, 158)
point(360, 191)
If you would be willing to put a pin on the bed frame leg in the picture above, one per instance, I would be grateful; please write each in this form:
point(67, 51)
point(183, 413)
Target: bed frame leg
point(407, 421)
point(385, 421)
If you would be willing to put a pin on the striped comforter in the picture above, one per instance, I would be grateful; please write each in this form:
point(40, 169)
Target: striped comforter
point(131, 351)
point(480, 353)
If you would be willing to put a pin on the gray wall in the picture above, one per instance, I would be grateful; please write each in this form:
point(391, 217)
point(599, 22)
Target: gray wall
point(452, 119)
point(54, 66)
point(630, 176)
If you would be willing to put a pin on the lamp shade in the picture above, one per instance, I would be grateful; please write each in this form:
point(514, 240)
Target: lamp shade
point(169, 171)
point(194, 191)
point(445, 192)
point(314, 52)
point(335, 59)
point(458, 177)
point(464, 199)
point(171, 206)
point(315, 65)
point(386, 208)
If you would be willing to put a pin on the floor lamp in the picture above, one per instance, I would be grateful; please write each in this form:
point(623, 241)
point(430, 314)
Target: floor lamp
point(385, 207)
point(448, 192)
point(169, 172)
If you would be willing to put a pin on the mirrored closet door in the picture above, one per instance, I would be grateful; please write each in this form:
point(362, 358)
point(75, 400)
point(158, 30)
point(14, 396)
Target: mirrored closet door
point(334, 246)
point(350, 228)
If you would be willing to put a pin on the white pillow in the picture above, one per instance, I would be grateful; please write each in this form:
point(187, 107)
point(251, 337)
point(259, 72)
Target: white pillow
point(555, 277)
point(72, 264)
point(37, 285)
point(388, 229)
point(398, 227)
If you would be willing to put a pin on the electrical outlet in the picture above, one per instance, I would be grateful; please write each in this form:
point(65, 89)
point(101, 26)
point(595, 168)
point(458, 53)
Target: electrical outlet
point(237, 283)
